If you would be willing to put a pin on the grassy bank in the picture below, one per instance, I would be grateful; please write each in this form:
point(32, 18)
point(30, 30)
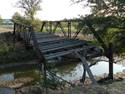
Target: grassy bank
point(13, 53)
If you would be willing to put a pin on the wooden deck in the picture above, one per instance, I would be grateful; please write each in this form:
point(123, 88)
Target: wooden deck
point(53, 46)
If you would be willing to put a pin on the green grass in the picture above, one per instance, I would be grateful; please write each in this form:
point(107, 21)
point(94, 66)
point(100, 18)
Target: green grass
point(16, 55)
point(12, 54)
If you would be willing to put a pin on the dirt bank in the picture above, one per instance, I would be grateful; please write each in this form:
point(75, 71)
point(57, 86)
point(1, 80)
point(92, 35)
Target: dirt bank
point(117, 87)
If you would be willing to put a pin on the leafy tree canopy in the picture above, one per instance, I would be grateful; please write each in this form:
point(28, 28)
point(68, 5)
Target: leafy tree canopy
point(36, 23)
point(106, 30)
point(17, 17)
point(105, 7)
point(30, 7)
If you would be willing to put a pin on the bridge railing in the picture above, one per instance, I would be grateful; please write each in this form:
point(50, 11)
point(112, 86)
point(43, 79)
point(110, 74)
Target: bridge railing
point(22, 32)
point(26, 34)
point(66, 28)
point(69, 28)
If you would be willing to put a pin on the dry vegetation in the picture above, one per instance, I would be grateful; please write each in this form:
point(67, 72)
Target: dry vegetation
point(3, 29)
point(110, 88)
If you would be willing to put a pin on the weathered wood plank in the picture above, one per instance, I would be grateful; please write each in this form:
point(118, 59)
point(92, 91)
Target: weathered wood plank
point(41, 33)
point(59, 40)
point(63, 42)
point(60, 46)
point(61, 53)
point(40, 41)
point(47, 37)
point(86, 66)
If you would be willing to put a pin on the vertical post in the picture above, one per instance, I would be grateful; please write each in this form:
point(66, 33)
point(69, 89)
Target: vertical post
point(41, 30)
point(62, 28)
point(14, 34)
point(55, 26)
point(69, 29)
point(111, 60)
point(78, 30)
point(14, 28)
point(47, 26)
point(18, 33)
point(50, 27)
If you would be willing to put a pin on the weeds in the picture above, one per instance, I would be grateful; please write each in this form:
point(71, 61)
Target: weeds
point(11, 54)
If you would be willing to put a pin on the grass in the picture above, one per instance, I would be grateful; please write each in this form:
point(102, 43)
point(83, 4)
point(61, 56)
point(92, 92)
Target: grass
point(10, 53)
point(16, 55)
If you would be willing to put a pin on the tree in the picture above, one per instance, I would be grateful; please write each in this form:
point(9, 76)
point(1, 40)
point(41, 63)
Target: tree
point(30, 7)
point(103, 28)
point(36, 23)
point(109, 8)
point(105, 7)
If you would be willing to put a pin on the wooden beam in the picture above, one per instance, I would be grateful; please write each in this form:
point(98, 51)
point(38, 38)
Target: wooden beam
point(62, 47)
point(61, 44)
point(86, 66)
point(62, 53)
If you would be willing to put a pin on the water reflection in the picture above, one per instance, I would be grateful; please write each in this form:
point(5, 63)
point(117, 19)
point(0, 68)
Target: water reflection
point(7, 77)
point(6, 91)
point(99, 69)
point(11, 76)
point(33, 73)
point(103, 67)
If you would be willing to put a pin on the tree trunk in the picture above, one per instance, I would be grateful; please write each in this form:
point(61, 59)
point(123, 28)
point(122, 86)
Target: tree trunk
point(111, 60)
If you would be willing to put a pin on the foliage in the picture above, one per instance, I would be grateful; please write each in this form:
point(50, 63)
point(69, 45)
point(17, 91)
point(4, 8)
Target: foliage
point(17, 18)
point(110, 30)
point(30, 7)
point(109, 7)
point(105, 7)
point(15, 55)
point(108, 20)
point(10, 54)
point(36, 23)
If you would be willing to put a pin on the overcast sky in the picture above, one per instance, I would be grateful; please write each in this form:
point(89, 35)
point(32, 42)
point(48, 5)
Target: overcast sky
point(51, 9)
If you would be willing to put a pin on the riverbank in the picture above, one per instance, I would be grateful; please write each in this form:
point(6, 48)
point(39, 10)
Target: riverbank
point(104, 87)
point(116, 87)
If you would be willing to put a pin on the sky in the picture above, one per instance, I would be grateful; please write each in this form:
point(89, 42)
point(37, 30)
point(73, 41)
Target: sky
point(51, 9)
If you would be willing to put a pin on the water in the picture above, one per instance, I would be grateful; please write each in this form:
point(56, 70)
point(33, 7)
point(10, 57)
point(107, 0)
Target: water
point(7, 77)
point(98, 70)
point(68, 72)
point(33, 73)
point(102, 67)
point(7, 91)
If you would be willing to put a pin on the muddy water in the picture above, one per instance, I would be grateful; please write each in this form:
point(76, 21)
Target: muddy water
point(68, 72)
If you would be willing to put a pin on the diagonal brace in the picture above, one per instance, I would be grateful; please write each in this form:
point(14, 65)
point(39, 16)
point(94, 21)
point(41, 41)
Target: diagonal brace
point(86, 66)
